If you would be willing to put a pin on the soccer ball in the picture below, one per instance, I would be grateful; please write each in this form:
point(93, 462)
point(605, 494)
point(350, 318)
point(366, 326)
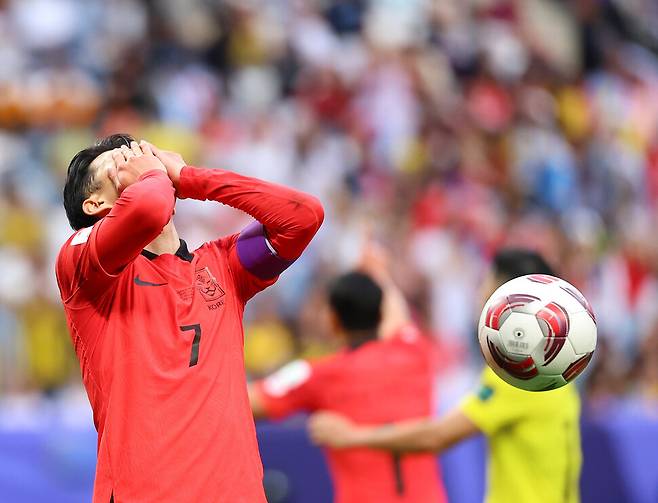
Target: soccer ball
point(537, 332)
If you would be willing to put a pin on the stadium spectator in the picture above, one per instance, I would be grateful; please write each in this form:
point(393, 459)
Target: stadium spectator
point(457, 126)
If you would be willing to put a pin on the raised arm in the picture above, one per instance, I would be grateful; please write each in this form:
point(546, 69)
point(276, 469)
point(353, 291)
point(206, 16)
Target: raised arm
point(375, 261)
point(290, 218)
point(416, 435)
point(287, 218)
point(144, 207)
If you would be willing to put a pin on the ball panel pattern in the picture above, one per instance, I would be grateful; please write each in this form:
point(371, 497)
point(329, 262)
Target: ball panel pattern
point(544, 279)
point(579, 297)
point(555, 319)
point(558, 364)
point(548, 352)
point(583, 333)
point(523, 369)
point(503, 306)
point(520, 335)
point(576, 367)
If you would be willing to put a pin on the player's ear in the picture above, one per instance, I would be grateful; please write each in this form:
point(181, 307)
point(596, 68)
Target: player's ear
point(96, 205)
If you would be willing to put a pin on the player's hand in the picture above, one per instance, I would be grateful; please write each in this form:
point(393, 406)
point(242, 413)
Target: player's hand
point(375, 261)
point(333, 430)
point(131, 163)
point(172, 161)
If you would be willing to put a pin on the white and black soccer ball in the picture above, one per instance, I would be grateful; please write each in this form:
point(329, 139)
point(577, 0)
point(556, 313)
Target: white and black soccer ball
point(537, 332)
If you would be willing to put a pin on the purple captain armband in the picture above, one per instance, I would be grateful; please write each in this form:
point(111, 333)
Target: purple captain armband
point(257, 256)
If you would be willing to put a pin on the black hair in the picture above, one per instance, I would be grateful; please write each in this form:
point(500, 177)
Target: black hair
point(511, 263)
point(80, 181)
point(357, 300)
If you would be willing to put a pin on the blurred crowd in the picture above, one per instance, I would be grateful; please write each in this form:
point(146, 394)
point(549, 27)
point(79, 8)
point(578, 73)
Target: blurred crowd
point(446, 128)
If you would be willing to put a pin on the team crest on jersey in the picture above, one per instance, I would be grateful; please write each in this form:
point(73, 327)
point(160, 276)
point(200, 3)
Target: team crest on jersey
point(207, 285)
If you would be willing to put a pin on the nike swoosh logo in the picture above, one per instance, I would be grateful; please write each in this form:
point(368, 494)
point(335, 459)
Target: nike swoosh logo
point(140, 282)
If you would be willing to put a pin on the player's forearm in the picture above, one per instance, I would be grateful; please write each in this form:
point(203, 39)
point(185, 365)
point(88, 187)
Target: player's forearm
point(419, 435)
point(409, 436)
point(395, 311)
point(291, 218)
point(136, 219)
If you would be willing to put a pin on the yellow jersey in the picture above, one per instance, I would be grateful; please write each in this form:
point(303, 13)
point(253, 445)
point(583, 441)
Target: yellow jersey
point(534, 441)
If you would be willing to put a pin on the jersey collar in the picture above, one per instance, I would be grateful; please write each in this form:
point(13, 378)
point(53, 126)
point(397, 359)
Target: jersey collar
point(182, 253)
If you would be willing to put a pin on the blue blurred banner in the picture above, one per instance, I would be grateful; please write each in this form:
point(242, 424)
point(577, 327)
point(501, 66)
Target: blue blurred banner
point(57, 464)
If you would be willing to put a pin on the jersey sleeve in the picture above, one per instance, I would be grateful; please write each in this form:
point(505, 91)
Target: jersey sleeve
point(286, 221)
point(78, 266)
point(495, 404)
point(290, 218)
point(137, 218)
point(291, 389)
point(94, 256)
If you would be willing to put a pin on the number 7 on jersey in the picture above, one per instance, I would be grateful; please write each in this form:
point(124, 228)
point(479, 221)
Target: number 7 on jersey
point(194, 357)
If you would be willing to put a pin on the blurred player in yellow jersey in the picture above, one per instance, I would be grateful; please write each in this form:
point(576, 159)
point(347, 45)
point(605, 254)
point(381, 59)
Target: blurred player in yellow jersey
point(534, 438)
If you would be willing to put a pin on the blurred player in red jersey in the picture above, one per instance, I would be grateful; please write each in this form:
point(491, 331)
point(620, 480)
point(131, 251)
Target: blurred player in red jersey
point(385, 374)
point(158, 329)
point(534, 453)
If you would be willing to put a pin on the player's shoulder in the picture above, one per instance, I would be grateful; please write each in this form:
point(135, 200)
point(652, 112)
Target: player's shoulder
point(314, 365)
point(490, 381)
point(562, 399)
point(289, 377)
point(491, 399)
point(76, 240)
point(71, 251)
point(411, 335)
point(67, 265)
point(565, 399)
point(224, 243)
point(217, 249)
point(408, 340)
point(369, 358)
point(323, 370)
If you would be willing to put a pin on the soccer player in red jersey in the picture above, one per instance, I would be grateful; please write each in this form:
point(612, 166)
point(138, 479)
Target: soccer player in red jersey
point(372, 380)
point(158, 328)
point(534, 450)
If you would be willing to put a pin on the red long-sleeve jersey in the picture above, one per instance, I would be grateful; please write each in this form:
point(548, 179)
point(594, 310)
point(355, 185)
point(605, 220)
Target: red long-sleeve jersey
point(160, 338)
point(378, 382)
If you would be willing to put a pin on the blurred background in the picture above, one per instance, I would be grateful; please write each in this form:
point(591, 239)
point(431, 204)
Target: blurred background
point(448, 127)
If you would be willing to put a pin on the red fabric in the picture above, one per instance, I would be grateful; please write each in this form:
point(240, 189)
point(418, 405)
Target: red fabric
point(291, 218)
point(378, 383)
point(148, 206)
point(167, 431)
